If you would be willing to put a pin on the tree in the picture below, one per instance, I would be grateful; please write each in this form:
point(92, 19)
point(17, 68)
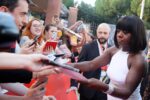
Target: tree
point(87, 13)
point(136, 9)
point(111, 10)
point(146, 16)
point(68, 3)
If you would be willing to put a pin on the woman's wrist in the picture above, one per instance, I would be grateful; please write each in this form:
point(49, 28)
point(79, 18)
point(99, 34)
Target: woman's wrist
point(110, 89)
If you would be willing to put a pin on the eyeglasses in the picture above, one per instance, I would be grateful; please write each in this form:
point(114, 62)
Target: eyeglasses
point(35, 25)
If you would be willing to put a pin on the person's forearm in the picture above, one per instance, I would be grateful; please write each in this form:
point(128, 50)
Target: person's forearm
point(83, 66)
point(11, 61)
point(16, 88)
point(9, 97)
point(120, 92)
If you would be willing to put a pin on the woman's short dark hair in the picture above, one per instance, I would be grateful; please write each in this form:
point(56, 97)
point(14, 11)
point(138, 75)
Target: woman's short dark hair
point(135, 26)
point(10, 4)
point(47, 27)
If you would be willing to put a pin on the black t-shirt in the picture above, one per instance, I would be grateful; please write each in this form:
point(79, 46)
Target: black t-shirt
point(17, 75)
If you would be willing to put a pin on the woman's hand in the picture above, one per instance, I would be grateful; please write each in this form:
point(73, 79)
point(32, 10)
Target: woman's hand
point(73, 88)
point(94, 83)
point(26, 48)
point(46, 72)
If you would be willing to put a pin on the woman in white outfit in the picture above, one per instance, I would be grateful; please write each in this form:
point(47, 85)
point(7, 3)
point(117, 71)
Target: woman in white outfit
point(126, 62)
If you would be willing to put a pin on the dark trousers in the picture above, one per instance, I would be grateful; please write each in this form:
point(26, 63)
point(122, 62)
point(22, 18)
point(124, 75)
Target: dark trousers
point(97, 96)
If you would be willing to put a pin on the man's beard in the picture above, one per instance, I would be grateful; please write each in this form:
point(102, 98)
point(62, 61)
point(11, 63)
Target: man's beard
point(102, 40)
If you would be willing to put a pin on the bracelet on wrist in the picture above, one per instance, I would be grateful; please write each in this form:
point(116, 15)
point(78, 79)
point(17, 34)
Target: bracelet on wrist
point(110, 89)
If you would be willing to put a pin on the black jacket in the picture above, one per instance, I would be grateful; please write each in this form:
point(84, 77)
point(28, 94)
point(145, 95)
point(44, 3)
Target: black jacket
point(89, 52)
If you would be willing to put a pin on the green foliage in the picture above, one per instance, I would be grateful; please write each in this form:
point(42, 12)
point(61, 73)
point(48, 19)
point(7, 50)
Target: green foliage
point(146, 16)
point(135, 7)
point(86, 12)
point(111, 10)
point(68, 3)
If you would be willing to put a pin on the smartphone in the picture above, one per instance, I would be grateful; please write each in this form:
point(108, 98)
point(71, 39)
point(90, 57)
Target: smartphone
point(59, 55)
point(48, 44)
point(35, 40)
point(59, 43)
